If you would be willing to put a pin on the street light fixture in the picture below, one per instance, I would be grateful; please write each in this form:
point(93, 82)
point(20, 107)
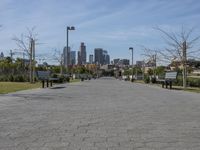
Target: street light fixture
point(68, 51)
point(131, 49)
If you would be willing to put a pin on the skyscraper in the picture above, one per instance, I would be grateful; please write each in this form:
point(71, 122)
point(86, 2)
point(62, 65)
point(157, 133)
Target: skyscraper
point(66, 55)
point(79, 57)
point(98, 56)
point(73, 57)
point(83, 53)
point(106, 58)
point(1, 56)
point(91, 59)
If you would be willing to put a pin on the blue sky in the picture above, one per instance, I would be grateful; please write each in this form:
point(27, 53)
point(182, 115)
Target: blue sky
point(114, 25)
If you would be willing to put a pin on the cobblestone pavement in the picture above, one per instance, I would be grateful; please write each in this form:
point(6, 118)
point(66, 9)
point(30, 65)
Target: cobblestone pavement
point(103, 114)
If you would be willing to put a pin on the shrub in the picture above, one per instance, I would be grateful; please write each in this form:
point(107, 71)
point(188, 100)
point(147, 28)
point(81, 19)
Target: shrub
point(146, 79)
point(14, 78)
point(19, 78)
point(61, 79)
point(54, 76)
point(11, 78)
point(193, 82)
point(4, 78)
point(179, 81)
point(67, 79)
point(153, 80)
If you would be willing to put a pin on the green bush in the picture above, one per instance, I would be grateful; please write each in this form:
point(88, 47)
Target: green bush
point(153, 80)
point(193, 82)
point(19, 78)
point(54, 76)
point(67, 79)
point(11, 78)
point(63, 79)
point(178, 82)
point(4, 78)
point(146, 79)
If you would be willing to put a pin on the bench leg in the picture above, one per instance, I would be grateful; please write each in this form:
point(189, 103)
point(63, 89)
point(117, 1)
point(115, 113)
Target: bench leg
point(47, 83)
point(170, 85)
point(166, 84)
point(43, 84)
point(51, 83)
point(163, 84)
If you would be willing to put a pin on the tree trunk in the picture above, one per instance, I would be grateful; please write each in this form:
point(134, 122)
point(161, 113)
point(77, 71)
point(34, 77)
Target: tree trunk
point(30, 65)
point(184, 65)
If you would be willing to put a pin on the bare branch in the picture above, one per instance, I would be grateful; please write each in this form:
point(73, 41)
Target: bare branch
point(193, 40)
point(171, 37)
point(175, 42)
point(58, 56)
point(189, 33)
point(23, 42)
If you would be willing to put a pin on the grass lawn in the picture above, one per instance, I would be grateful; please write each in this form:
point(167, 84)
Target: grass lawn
point(8, 87)
point(74, 80)
point(189, 89)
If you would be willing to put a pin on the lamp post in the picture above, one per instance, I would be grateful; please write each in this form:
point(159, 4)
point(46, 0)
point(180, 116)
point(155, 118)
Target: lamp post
point(68, 51)
point(131, 48)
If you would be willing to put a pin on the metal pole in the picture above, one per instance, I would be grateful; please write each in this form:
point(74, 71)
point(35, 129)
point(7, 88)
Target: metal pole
point(143, 69)
point(131, 48)
point(33, 43)
point(132, 66)
point(67, 45)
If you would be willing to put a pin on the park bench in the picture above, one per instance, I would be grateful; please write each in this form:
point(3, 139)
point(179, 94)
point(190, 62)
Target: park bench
point(168, 79)
point(45, 76)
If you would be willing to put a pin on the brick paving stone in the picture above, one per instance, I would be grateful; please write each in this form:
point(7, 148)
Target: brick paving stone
point(102, 114)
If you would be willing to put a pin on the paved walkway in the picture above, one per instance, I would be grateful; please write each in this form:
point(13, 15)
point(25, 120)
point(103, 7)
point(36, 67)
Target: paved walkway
point(103, 114)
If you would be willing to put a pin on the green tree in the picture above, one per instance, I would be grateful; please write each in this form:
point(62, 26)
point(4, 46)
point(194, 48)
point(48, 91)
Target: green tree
point(160, 70)
point(150, 71)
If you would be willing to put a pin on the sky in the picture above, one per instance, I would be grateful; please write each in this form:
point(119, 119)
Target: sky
point(114, 25)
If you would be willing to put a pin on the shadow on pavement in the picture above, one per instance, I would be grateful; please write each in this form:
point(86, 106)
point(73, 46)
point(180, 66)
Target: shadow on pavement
point(59, 87)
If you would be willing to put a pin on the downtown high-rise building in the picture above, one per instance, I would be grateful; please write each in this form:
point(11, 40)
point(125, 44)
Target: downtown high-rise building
point(82, 57)
point(79, 58)
point(98, 56)
point(91, 59)
point(101, 56)
point(1, 56)
point(83, 53)
point(73, 57)
point(106, 58)
point(66, 56)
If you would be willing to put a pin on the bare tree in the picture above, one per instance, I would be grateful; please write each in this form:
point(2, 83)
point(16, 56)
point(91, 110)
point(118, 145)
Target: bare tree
point(181, 47)
point(58, 56)
point(27, 44)
point(151, 56)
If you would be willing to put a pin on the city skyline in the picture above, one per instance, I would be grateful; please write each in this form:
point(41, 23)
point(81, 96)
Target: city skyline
point(112, 25)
